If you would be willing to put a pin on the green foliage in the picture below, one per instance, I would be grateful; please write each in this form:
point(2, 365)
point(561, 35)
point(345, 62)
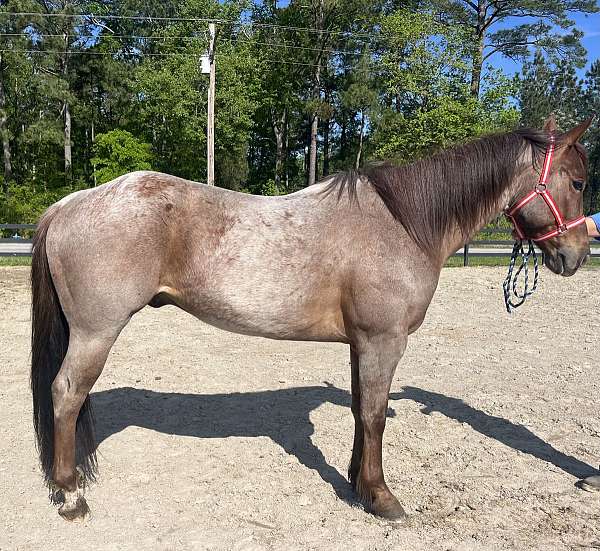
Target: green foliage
point(444, 122)
point(118, 152)
point(385, 79)
point(270, 188)
point(25, 203)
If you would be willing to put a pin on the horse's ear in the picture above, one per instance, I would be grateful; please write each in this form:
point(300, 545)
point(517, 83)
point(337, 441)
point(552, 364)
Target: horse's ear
point(572, 136)
point(550, 124)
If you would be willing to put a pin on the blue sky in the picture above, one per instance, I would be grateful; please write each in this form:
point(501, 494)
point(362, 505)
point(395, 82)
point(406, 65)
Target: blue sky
point(590, 25)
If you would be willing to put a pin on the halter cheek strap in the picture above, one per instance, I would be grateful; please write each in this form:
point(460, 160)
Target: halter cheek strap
point(541, 190)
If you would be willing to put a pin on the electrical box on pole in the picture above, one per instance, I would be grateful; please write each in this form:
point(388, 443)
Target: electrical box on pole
point(205, 64)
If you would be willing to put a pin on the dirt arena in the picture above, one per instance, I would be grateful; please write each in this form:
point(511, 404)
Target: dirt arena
point(209, 440)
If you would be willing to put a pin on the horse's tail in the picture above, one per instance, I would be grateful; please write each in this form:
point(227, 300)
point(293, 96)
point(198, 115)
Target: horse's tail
point(49, 343)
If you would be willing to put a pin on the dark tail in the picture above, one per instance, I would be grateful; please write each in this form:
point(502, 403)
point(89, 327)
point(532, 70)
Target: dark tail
point(49, 343)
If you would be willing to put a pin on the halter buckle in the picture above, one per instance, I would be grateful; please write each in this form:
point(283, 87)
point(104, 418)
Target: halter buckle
point(541, 187)
point(562, 228)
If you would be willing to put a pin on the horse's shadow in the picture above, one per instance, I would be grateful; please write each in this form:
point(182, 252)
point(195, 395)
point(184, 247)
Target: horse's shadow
point(510, 434)
point(284, 416)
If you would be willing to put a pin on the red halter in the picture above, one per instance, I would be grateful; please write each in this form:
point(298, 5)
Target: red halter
point(541, 190)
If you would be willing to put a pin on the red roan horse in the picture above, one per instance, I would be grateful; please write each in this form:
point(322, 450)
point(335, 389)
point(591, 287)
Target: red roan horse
point(354, 259)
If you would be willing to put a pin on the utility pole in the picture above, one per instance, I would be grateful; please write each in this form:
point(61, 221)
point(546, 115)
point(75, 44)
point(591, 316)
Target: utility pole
point(210, 129)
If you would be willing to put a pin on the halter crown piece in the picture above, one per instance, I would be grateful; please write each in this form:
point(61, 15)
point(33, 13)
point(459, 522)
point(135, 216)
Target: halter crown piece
point(562, 226)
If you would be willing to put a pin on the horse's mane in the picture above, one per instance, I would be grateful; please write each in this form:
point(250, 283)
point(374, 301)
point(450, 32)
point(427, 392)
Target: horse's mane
point(453, 188)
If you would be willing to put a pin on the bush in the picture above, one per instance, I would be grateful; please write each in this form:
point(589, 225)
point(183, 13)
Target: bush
point(118, 152)
point(25, 204)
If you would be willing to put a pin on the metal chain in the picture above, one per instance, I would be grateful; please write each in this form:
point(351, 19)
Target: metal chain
point(510, 284)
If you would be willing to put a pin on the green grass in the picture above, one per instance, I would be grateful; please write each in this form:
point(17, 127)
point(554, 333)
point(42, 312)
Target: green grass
point(457, 261)
point(15, 261)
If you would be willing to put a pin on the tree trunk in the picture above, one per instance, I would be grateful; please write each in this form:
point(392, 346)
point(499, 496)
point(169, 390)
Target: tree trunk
point(5, 139)
point(326, 146)
point(93, 130)
point(478, 50)
point(307, 152)
point(343, 137)
point(68, 162)
point(360, 140)
point(316, 96)
point(279, 125)
point(287, 152)
point(66, 113)
point(312, 151)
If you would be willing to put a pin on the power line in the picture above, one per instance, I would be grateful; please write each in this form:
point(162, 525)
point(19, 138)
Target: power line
point(286, 46)
point(99, 39)
point(166, 54)
point(150, 19)
point(86, 36)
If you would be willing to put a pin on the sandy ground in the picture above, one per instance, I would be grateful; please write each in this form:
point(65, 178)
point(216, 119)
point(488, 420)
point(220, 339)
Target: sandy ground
point(209, 440)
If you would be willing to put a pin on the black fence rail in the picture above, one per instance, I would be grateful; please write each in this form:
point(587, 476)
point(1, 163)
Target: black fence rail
point(499, 247)
point(480, 246)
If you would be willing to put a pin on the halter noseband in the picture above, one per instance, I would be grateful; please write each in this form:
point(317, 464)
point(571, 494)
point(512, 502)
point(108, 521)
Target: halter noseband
point(541, 190)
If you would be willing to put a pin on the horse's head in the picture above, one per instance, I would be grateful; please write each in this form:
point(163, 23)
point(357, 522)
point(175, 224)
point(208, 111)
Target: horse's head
point(549, 206)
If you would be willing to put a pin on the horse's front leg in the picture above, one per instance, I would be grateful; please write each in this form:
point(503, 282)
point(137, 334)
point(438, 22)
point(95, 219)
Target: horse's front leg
point(377, 361)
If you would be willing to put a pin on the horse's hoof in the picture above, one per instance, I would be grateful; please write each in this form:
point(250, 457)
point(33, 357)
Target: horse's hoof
point(590, 484)
point(388, 508)
point(75, 508)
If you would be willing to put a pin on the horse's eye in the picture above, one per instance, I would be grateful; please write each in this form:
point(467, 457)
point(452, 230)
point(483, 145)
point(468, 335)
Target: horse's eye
point(578, 185)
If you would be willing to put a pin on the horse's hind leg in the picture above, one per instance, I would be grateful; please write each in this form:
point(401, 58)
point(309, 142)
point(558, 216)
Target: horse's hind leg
point(378, 358)
point(79, 371)
point(357, 447)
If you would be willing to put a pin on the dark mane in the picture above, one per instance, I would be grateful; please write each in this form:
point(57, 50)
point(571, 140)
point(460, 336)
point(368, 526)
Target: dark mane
point(455, 187)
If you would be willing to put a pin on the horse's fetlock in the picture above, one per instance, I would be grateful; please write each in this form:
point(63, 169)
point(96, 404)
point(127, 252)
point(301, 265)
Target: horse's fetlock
point(65, 480)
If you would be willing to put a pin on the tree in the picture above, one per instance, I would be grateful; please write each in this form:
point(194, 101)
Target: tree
point(11, 64)
point(534, 96)
point(478, 17)
point(360, 97)
point(591, 97)
point(546, 88)
point(304, 88)
point(118, 152)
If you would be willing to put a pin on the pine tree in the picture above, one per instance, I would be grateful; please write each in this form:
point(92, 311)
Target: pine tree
point(541, 17)
point(535, 100)
point(592, 138)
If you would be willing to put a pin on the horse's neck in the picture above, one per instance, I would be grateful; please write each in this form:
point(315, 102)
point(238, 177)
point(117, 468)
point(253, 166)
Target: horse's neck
point(455, 240)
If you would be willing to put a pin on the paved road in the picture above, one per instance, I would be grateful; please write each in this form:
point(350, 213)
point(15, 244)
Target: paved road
point(18, 247)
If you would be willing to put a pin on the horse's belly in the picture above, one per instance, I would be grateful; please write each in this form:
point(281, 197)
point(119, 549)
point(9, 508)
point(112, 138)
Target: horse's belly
point(259, 315)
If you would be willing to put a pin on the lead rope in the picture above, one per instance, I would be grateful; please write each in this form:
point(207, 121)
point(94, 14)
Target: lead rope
point(510, 284)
